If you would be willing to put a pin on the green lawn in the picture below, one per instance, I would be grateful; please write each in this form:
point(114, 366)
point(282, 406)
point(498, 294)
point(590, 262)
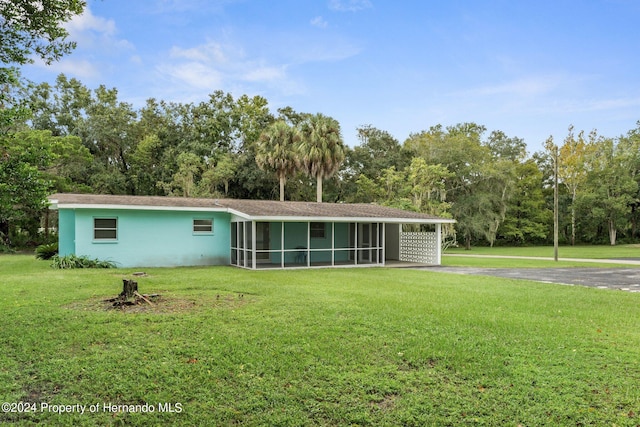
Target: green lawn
point(592, 251)
point(317, 347)
point(491, 262)
point(580, 252)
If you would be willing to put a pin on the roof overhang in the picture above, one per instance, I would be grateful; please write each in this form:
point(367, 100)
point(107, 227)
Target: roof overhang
point(259, 218)
point(55, 205)
point(240, 213)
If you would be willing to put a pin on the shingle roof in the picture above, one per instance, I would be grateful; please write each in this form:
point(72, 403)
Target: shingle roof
point(118, 200)
point(255, 209)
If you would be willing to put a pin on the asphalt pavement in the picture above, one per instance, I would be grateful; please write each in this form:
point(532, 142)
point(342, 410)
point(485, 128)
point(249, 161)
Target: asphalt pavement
point(624, 279)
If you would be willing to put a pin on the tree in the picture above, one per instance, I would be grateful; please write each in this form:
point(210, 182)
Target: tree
point(609, 189)
point(250, 117)
point(23, 186)
point(427, 186)
point(184, 180)
point(459, 149)
point(527, 216)
point(220, 173)
point(572, 169)
point(377, 151)
point(29, 27)
point(13, 113)
point(500, 176)
point(62, 108)
point(70, 164)
point(276, 150)
point(156, 136)
point(322, 150)
point(108, 132)
point(367, 191)
point(146, 163)
point(629, 145)
point(392, 180)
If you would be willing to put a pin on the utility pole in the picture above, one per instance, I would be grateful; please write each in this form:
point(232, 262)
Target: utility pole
point(555, 203)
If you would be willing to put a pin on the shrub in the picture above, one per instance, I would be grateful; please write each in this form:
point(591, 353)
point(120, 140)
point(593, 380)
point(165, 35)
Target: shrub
point(4, 249)
point(47, 251)
point(73, 261)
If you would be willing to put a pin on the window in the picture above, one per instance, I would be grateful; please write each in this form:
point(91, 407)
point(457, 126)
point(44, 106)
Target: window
point(105, 228)
point(317, 230)
point(203, 226)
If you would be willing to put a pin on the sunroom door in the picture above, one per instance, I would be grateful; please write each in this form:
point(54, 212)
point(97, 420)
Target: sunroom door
point(364, 242)
point(262, 242)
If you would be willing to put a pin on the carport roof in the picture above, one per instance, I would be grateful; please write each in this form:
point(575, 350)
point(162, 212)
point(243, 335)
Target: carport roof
point(264, 210)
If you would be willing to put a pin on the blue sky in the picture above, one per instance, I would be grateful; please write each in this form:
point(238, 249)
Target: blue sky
point(527, 68)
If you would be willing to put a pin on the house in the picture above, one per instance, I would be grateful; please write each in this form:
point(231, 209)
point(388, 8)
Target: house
point(147, 231)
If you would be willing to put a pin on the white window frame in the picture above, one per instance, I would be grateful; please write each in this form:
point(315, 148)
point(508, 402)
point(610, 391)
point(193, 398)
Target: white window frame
point(204, 227)
point(96, 229)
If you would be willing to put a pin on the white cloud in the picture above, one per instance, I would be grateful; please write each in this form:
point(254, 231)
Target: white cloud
point(81, 69)
point(209, 52)
point(96, 35)
point(349, 5)
point(265, 74)
point(88, 22)
point(319, 22)
point(326, 52)
point(215, 65)
point(96, 38)
point(193, 74)
point(227, 64)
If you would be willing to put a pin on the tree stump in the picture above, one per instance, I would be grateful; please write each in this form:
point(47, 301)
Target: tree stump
point(129, 289)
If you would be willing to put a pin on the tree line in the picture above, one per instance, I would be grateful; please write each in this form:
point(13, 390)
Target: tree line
point(73, 139)
point(65, 137)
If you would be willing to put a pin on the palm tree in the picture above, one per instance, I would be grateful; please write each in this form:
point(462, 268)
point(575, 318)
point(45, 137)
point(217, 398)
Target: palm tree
point(276, 151)
point(321, 150)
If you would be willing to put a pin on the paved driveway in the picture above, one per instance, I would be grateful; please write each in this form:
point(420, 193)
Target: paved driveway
point(625, 279)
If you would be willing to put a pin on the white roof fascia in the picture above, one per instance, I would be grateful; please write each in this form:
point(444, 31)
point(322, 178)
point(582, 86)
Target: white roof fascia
point(135, 207)
point(239, 215)
point(347, 219)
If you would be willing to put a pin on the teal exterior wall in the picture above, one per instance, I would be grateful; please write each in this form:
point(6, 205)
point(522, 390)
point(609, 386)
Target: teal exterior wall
point(66, 232)
point(150, 238)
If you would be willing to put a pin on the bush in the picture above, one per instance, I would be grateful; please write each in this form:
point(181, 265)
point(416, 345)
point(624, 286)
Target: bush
point(73, 261)
point(47, 251)
point(4, 249)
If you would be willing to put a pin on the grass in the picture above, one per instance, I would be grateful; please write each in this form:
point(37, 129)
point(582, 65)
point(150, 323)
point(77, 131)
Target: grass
point(317, 347)
point(577, 252)
point(487, 262)
point(589, 252)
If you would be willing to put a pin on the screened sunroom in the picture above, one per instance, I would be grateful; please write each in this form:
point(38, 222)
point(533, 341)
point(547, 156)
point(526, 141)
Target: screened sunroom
point(283, 244)
point(304, 244)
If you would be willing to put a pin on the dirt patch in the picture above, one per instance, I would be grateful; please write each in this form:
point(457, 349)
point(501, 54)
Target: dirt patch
point(163, 303)
point(387, 403)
